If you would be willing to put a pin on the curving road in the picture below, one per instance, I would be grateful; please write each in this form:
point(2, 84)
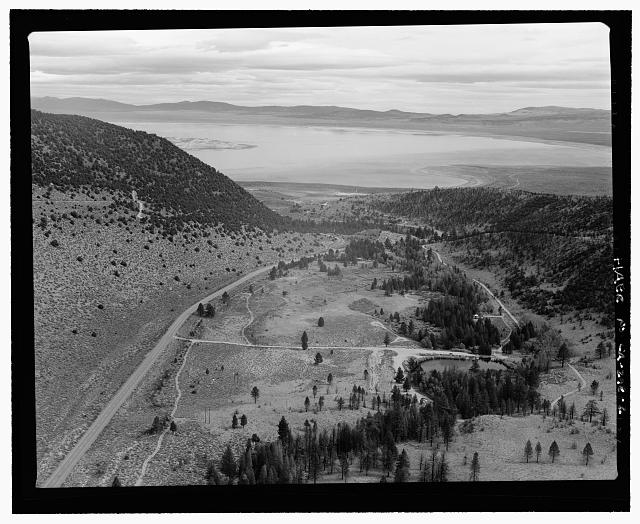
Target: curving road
point(498, 301)
point(487, 290)
point(60, 474)
point(573, 391)
point(57, 478)
point(145, 464)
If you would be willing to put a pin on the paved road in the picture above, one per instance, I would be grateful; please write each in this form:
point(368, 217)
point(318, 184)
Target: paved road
point(65, 467)
point(57, 478)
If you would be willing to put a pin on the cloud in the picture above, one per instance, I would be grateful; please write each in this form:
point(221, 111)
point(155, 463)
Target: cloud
point(79, 44)
point(414, 68)
point(233, 41)
point(516, 75)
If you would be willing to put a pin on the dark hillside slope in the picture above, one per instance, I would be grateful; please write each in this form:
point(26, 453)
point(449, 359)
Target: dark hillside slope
point(554, 252)
point(178, 190)
point(462, 211)
point(110, 277)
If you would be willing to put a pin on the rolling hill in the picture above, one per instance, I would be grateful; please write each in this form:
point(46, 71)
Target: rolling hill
point(127, 230)
point(178, 191)
point(552, 251)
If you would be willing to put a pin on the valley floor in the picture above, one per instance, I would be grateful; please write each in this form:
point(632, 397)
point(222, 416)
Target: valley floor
point(208, 372)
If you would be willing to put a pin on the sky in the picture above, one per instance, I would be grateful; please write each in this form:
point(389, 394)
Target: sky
point(432, 69)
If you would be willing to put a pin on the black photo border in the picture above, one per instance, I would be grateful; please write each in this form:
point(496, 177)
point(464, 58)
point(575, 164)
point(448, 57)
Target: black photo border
point(610, 495)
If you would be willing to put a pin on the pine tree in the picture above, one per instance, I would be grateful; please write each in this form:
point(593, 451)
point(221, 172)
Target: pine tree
point(600, 349)
point(212, 476)
point(594, 387)
point(307, 403)
point(399, 378)
point(443, 469)
point(586, 453)
point(321, 322)
point(255, 393)
point(228, 464)
point(563, 353)
point(173, 427)
point(321, 402)
point(402, 468)
point(200, 310)
point(329, 378)
point(318, 359)
point(314, 390)
point(389, 453)
point(210, 311)
point(605, 417)
point(305, 340)
point(243, 420)
point(234, 421)
point(116, 482)
point(528, 450)
point(157, 425)
point(262, 478)
point(591, 410)
point(538, 451)
point(340, 402)
point(475, 468)
point(284, 434)
point(554, 451)
point(344, 467)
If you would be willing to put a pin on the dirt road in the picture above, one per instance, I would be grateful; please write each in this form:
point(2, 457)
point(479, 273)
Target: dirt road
point(573, 391)
point(57, 478)
point(498, 301)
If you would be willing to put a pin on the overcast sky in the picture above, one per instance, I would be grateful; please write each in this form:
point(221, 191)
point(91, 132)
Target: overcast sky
point(447, 69)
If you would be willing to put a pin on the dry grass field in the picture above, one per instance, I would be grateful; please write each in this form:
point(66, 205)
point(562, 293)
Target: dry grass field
point(217, 377)
point(202, 384)
point(105, 292)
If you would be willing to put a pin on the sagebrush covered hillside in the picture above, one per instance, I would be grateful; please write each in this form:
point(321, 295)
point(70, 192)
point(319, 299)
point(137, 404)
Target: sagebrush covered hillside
point(466, 211)
point(179, 191)
point(554, 251)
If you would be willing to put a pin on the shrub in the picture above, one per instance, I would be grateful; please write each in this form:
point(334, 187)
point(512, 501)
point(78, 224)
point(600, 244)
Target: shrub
point(467, 427)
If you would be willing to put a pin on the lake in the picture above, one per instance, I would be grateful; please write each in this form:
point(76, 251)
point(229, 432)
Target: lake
point(441, 364)
point(361, 156)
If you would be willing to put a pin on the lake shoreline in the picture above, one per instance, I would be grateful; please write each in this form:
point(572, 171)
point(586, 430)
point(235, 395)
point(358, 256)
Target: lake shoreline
point(374, 159)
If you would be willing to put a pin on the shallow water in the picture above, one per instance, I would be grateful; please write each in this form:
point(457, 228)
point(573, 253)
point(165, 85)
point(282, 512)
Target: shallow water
point(359, 156)
point(441, 364)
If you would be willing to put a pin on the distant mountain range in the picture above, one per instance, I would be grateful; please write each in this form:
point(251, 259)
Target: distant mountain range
point(99, 105)
point(592, 126)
